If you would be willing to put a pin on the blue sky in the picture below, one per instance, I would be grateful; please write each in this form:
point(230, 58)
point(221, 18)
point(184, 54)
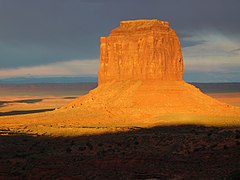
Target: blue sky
point(61, 38)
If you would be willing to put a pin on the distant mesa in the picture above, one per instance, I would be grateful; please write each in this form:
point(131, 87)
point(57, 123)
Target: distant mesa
point(140, 74)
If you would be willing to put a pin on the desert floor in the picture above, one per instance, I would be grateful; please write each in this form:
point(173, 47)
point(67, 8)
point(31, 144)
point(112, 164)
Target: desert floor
point(13, 105)
point(104, 152)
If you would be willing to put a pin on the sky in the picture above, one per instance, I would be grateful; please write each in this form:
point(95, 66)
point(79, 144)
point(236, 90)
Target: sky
point(50, 38)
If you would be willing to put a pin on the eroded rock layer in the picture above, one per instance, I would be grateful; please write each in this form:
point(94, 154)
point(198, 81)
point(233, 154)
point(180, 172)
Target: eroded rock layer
point(140, 50)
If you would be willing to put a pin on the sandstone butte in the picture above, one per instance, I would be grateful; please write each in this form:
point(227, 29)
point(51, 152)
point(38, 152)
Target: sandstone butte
point(141, 68)
point(141, 50)
point(140, 84)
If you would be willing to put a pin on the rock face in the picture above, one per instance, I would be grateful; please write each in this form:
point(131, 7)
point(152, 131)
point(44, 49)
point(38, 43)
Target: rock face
point(141, 50)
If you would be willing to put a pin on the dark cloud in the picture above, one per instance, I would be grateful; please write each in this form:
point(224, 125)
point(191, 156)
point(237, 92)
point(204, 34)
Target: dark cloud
point(45, 31)
point(185, 43)
point(235, 50)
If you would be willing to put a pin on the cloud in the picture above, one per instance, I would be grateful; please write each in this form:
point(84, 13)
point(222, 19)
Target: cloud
point(212, 44)
point(186, 43)
point(212, 64)
point(235, 51)
point(217, 59)
point(193, 76)
point(67, 68)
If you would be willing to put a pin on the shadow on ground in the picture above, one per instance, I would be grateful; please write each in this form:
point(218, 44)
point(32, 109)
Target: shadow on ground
point(172, 152)
point(28, 101)
point(11, 113)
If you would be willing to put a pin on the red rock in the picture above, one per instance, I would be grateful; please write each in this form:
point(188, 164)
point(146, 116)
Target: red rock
point(141, 50)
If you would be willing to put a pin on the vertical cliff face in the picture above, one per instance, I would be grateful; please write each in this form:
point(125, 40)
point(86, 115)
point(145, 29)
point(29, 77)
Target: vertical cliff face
point(141, 50)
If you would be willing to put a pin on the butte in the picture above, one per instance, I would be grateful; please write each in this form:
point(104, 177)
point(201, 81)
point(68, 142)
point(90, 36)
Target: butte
point(140, 75)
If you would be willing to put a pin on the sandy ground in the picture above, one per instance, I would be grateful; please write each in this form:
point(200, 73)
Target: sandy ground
point(26, 103)
point(229, 98)
point(22, 114)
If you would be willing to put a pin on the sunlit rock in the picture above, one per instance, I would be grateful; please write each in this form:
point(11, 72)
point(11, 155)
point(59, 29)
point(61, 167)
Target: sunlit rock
point(141, 50)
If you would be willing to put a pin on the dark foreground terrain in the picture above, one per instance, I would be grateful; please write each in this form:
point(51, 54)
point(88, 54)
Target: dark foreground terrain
point(174, 152)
